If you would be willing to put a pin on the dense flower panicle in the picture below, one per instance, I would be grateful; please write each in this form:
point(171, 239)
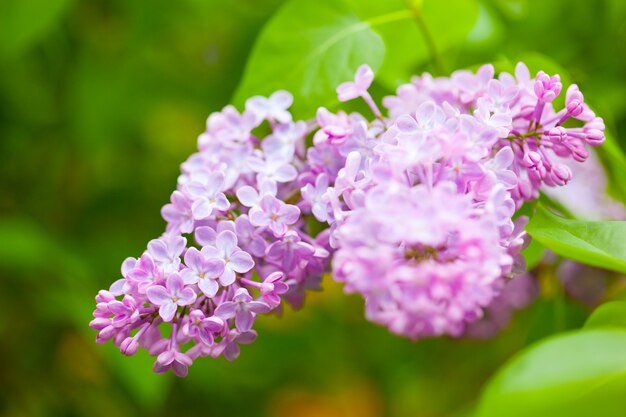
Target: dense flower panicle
point(422, 205)
point(235, 245)
point(419, 207)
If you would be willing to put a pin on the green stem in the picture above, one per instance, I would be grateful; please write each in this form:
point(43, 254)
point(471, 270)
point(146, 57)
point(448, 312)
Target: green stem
point(435, 57)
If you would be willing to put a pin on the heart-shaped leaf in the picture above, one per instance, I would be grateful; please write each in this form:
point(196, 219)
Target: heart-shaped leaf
point(310, 47)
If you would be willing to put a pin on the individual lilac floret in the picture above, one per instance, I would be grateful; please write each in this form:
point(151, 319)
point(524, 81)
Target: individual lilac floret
point(166, 252)
point(208, 196)
point(274, 168)
point(274, 214)
point(242, 308)
point(234, 259)
point(358, 88)
point(273, 287)
point(202, 270)
point(170, 297)
point(273, 108)
point(202, 327)
point(178, 213)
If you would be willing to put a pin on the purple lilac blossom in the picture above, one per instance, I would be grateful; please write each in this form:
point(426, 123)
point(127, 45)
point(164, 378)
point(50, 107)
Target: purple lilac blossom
point(418, 207)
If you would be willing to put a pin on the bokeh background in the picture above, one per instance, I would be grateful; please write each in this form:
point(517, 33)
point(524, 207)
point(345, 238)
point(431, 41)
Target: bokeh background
point(100, 101)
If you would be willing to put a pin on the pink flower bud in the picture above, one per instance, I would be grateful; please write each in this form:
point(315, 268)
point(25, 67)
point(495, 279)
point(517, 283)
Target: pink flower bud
point(560, 174)
point(532, 160)
point(579, 153)
point(105, 334)
point(574, 101)
point(546, 87)
point(557, 134)
point(595, 137)
point(574, 107)
point(129, 346)
point(594, 131)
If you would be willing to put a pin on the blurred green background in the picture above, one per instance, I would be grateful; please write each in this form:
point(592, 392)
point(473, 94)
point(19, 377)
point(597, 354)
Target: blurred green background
point(101, 100)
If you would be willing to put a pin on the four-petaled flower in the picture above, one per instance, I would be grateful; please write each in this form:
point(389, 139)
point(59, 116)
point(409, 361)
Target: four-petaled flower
point(198, 325)
point(357, 88)
point(166, 252)
point(273, 107)
point(178, 213)
point(290, 250)
point(275, 214)
point(208, 196)
point(174, 359)
point(273, 287)
point(171, 296)
point(273, 168)
point(235, 260)
point(202, 270)
point(242, 308)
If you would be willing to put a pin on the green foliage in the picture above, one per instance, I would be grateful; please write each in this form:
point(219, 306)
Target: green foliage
point(101, 100)
point(24, 22)
point(580, 374)
point(599, 244)
point(325, 48)
point(431, 29)
point(318, 54)
point(611, 314)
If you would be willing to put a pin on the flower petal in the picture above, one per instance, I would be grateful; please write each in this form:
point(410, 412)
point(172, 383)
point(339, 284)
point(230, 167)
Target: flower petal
point(208, 286)
point(187, 296)
point(228, 276)
point(244, 320)
point(241, 261)
point(289, 214)
point(286, 173)
point(158, 249)
point(226, 242)
point(205, 236)
point(214, 268)
point(258, 217)
point(167, 311)
point(194, 259)
point(247, 196)
point(226, 310)
point(201, 209)
point(258, 307)
point(158, 295)
point(175, 284)
point(189, 276)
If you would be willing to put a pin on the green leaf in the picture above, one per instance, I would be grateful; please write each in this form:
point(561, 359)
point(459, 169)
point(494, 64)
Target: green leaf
point(447, 23)
point(578, 374)
point(309, 47)
point(23, 22)
point(611, 314)
point(533, 254)
point(595, 243)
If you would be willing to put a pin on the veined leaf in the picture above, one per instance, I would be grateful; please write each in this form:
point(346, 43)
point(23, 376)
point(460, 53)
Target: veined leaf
point(310, 47)
point(596, 243)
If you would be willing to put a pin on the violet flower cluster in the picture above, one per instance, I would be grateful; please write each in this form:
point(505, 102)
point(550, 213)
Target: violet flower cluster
point(418, 207)
point(421, 212)
point(235, 245)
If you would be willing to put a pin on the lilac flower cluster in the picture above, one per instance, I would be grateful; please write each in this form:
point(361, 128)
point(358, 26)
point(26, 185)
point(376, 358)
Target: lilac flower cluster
point(246, 248)
point(418, 205)
point(422, 203)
